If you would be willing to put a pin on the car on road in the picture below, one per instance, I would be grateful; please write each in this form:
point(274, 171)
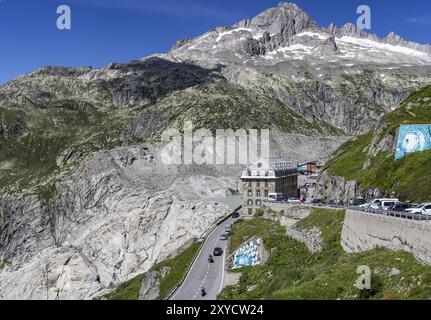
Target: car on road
point(317, 202)
point(224, 236)
point(275, 197)
point(359, 201)
point(334, 202)
point(386, 204)
point(293, 201)
point(399, 207)
point(236, 215)
point(424, 209)
point(218, 252)
point(380, 204)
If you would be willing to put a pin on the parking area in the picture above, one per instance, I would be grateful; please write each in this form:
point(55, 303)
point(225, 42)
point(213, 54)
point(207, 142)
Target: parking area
point(395, 214)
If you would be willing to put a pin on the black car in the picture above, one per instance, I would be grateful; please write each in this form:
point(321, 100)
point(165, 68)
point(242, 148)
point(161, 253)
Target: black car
point(359, 202)
point(399, 207)
point(236, 215)
point(334, 202)
point(218, 252)
point(317, 201)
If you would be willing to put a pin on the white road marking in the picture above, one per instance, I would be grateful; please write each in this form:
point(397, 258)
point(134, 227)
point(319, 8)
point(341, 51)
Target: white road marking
point(196, 260)
point(220, 227)
point(222, 270)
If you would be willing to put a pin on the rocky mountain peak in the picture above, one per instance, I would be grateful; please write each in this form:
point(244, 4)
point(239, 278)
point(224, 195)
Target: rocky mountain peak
point(286, 18)
point(393, 39)
point(392, 36)
point(349, 30)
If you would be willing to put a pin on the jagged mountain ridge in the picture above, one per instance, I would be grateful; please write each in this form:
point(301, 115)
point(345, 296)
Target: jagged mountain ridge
point(285, 26)
point(342, 76)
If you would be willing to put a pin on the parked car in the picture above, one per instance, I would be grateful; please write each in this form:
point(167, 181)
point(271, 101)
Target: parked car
point(218, 252)
point(399, 207)
point(380, 203)
point(275, 197)
point(236, 215)
point(358, 201)
point(224, 236)
point(293, 201)
point(427, 209)
point(386, 204)
point(334, 202)
point(317, 201)
point(421, 209)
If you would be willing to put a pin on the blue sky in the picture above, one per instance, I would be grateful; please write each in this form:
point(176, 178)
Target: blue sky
point(105, 31)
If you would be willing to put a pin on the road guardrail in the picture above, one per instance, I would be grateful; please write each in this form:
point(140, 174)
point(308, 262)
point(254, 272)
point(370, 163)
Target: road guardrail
point(395, 214)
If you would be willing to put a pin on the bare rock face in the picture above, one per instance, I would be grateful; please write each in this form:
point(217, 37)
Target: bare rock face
point(150, 287)
point(394, 39)
point(338, 188)
point(286, 17)
point(311, 238)
point(108, 224)
point(280, 25)
point(380, 143)
point(334, 187)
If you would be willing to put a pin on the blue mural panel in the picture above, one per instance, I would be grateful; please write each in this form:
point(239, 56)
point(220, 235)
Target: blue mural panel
point(413, 138)
point(248, 255)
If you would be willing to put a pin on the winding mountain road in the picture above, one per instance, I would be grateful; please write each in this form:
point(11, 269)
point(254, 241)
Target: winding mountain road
point(204, 274)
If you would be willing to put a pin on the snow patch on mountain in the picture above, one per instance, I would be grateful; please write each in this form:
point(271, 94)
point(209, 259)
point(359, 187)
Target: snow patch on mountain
point(373, 46)
point(312, 35)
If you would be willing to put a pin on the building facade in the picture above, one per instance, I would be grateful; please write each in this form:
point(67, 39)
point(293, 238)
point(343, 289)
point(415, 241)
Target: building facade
point(265, 177)
point(312, 167)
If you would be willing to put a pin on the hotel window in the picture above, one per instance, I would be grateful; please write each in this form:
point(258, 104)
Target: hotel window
point(266, 194)
point(250, 193)
point(258, 202)
point(250, 184)
point(258, 183)
point(258, 194)
point(266, 184)
point(250, 202)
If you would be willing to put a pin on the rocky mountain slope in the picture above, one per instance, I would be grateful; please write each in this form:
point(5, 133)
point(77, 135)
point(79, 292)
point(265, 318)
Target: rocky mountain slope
point(86, 202)
point(368, 162)
point(341, 76)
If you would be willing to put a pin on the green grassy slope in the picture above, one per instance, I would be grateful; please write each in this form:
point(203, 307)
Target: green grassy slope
point(222, 105)
point(178, 267)
point(29, 155)
point(292, 272)
point(409, 178)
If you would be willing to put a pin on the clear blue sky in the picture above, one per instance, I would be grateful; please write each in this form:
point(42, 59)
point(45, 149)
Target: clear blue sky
point(105, 31)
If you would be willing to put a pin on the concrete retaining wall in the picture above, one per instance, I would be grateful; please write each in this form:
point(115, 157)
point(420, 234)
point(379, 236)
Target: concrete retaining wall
point(365, 231)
